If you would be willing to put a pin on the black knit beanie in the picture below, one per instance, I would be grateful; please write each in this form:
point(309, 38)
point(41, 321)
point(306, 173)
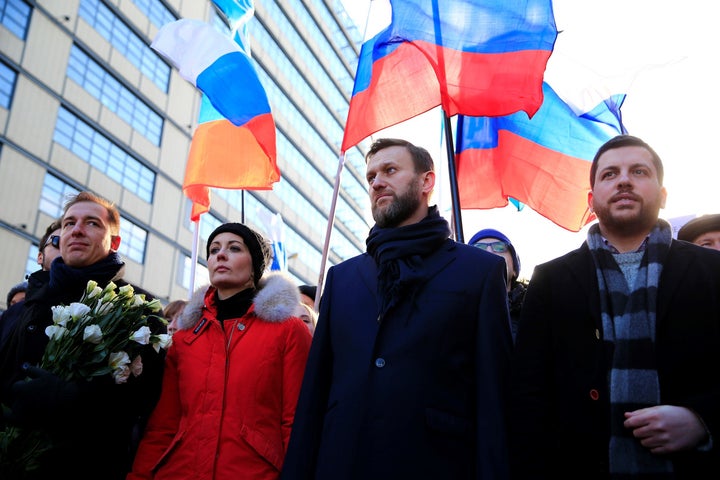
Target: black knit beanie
point(260, 249)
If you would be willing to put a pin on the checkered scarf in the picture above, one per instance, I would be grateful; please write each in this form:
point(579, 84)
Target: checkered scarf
point(628, 322)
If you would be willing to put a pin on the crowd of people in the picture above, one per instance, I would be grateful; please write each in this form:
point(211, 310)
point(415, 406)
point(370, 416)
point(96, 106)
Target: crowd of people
point(421, 358)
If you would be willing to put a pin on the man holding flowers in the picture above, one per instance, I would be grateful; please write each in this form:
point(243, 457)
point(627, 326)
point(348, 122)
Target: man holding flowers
point(99, 351)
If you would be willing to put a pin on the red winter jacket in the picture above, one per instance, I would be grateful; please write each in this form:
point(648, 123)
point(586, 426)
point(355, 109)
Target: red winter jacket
point(228, 399)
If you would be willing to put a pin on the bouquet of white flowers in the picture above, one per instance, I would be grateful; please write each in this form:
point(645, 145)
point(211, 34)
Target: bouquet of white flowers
point(102, 334)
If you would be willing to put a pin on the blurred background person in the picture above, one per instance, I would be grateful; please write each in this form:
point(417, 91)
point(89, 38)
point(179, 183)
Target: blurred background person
point(48, 250)
point(306, 313)
point(703, 231)
point(16, 294)
point(233, 372)
point(499, 244)
point(172, 312)
point(307, 295)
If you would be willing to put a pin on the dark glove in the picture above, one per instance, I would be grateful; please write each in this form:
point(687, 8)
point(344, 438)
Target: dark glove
point(41, 399)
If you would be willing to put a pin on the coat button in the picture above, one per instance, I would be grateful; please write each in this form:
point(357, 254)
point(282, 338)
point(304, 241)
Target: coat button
point(597, 334)
point(594, 394)
point(31, 328)
point(379, 362)
point(241, 326)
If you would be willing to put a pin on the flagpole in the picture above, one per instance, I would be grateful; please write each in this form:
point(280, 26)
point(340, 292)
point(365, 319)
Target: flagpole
point(193, 262)
point(331, 222)
point(457, 216)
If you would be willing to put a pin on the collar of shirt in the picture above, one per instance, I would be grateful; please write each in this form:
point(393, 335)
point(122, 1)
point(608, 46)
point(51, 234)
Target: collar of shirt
point(612, 249)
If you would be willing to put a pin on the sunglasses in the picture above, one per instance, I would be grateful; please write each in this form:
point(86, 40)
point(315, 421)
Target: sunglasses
point(54, 241)
point(497, 247)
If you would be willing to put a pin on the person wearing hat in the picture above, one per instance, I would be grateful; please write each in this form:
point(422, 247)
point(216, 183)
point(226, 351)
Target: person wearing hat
point(496, 242)
point(307, 295)
point(703, 231)
point(16, 294)
point(233, 372)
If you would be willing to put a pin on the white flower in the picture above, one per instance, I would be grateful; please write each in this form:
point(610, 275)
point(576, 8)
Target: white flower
point(126, 291)
point(78, 310)
point(163, 341)
point(91, 286)
point(108, 292)
point(92, 334)
point(61, 315)
point(137, 301)
point(142, 335)
point(94, 292)
point(103, 307)
point(119, 362)
point(118, 359)
point(55, 332)
point(108, 296)
point(136, 367)
point(121, 374)
point(110, 287)
point(154, 306)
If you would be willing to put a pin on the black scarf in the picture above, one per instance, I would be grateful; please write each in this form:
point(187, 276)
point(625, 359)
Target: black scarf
point(73, 280)
point(399, 253)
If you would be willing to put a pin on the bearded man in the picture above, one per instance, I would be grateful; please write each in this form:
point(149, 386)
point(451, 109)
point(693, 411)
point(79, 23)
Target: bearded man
point(406, 372)
point(614, 374)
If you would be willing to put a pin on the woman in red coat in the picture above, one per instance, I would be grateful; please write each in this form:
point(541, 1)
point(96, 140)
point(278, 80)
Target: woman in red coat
point(233, 373)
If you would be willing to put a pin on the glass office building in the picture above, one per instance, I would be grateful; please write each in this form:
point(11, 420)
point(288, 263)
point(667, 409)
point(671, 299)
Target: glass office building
point(86, 104)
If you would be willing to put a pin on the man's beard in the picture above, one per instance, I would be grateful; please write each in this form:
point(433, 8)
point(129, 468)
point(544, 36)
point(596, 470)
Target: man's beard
point(643, 219)
point(400, 209)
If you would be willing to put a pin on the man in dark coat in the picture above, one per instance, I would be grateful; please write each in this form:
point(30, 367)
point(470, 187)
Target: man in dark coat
point(405, 377)
point(48, 250)
point(614, 371)
point(91, 424)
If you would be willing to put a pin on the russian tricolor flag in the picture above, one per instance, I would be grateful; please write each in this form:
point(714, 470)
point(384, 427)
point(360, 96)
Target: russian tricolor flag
point(472, 57)
point(234, 144)
point(543, 162)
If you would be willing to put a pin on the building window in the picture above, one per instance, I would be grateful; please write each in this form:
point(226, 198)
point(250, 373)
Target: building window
point(100, 84)
point(7, 85)
point(157, 13)
point(97, 150)
point(15, 16)
point(115, 31)
point(31, 264)
point(208, 223)
point(202, 277)
point(133, 241)
point(54, 195)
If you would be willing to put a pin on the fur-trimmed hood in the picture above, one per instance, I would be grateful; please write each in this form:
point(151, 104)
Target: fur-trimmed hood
point(275, 301)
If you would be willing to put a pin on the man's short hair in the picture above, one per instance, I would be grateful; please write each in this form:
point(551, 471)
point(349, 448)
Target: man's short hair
point(112, 211)
point(55, 225)
point(422, 160)
point(626, 141)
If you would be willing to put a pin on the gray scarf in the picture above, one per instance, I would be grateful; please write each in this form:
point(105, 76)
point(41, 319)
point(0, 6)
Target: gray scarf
point(628, 321)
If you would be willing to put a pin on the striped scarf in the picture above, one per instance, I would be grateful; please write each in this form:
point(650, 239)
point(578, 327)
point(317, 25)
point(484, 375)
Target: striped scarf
point(628, 322)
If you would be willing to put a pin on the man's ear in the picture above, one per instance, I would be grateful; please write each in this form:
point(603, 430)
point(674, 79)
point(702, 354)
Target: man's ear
point(115, 242)
point(428, 182)
point(40, 258)
point(663, 193)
